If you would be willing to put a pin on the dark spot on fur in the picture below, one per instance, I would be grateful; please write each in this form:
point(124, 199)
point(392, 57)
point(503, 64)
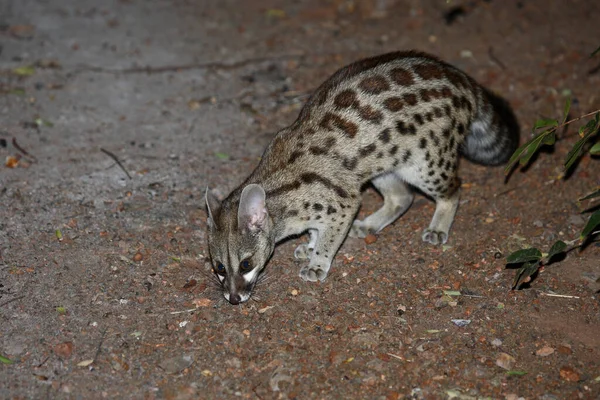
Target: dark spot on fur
point(446, 92)
point(384, 135)
point(331, 210)
point(316, 150)
point(406, 156)
point(431, 173)
point(410, 99)
point(444, 176)
point(429, 71)
point(345, 99)
point(306, 205)
point(419, 119)
point(311, 177)
point(288, 187)
point(365, 151)
point(423, 143)
point(317, 207)
point(424, 93)
point(393, 104)
point(429, 116)
point(374, 85)
point(318, 217)
point(380, 154)
point(370, 114)
point(292, 213)
point(447, 110)
point(437, 112)
point(401, 77)
point(393, 150)
point(331, 120)
point(446, 132)
point(350, 163)
point(294, 156)
point(455, 102)
point(404, 129)
point(427, 156)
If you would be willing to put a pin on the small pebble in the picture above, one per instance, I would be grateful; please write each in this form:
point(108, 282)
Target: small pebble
point(138, 257)
point(370, 239)
point(294, 292)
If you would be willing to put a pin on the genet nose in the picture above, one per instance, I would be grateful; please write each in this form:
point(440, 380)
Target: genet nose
point(235, 299)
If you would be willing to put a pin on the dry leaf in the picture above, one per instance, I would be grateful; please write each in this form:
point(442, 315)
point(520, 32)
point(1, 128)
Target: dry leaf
point(544, 351)
point(64, 350)
point(505, 361)
point(569, 374)
point(202, 302)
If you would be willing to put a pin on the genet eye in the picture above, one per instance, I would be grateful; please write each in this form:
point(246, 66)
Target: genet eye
point(245, 266)
point(220, 269)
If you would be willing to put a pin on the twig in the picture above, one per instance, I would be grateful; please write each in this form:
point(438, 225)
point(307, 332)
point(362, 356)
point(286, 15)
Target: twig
point(507, 191)
point(395, 356)
point(495, 59)
point(184, 311)
point(99, 348)
point(43, 362)
point(564, 296)
point(187, 67)
point(111, 155)
point(11, 300)
point(22, 150)
point(254, 390)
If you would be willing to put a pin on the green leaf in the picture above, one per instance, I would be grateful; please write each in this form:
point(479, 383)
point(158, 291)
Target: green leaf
point(566, 110)
point(524, 153)
point(524, 255)
point(5, 360)
point(516, 373)
point(61, 310)
point(544, 123)
point(575, 152)
point(592, 223)
point(452, 292)
point(592, 195)
point(528, 269)
point(222, 156)
point(26, 70)
point(595, 52)
point(595, 150)
point(557, 248)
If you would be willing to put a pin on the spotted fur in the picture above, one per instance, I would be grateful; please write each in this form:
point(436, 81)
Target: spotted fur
point(399, 120)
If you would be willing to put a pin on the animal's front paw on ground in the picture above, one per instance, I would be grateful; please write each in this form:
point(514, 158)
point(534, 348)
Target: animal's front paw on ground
point(359, 230)
point(434, 237)
point(313, 273)
point(303, 252)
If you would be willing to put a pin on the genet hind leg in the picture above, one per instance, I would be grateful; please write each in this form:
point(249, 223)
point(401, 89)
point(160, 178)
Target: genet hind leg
point(397, 198)
point(446, 204)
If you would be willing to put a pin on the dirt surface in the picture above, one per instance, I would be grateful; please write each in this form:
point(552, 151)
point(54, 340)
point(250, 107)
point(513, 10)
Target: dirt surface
point(187, 95)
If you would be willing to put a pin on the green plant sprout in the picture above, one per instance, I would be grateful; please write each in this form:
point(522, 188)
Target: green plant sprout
point(544, 133)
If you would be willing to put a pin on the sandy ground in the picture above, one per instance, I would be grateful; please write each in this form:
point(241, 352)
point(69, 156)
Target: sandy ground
point(187, 95)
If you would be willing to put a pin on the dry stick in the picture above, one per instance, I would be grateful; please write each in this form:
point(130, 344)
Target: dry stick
point(99, 348)
point(495, 59)
point(11, 300)
point(186, 67)
point(22, 150)
point(111, 155)
point(574, 120)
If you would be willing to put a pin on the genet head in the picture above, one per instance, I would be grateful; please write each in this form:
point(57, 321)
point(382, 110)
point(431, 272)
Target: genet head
point(240, 240)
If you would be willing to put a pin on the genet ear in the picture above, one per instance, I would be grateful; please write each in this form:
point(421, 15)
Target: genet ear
point(213, 206)
point(252, 212)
